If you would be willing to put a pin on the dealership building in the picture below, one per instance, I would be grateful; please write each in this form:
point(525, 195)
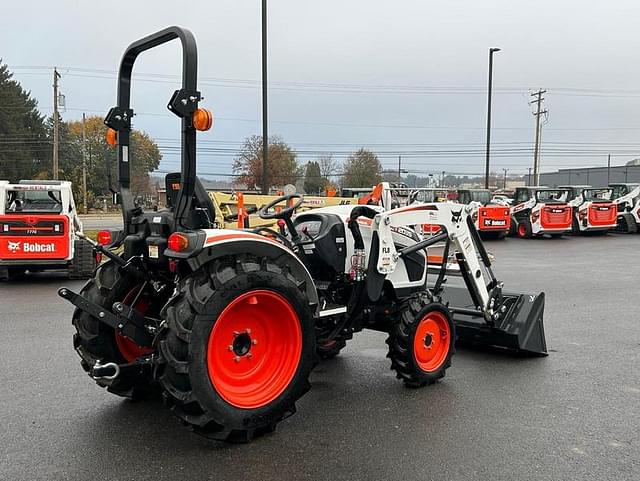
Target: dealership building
point(595, 176)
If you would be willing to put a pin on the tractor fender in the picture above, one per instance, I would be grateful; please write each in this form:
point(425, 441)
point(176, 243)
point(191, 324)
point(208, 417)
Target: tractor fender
point(224, 242)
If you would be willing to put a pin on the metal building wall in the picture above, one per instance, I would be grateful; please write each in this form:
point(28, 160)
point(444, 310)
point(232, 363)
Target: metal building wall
point(595, 176)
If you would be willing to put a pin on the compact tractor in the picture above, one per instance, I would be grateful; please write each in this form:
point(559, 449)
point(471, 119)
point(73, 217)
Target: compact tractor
point(228, 324)
point(490, 218)
point(40, 230)
point(626, 197)
point(538, 211)
point(593, 210)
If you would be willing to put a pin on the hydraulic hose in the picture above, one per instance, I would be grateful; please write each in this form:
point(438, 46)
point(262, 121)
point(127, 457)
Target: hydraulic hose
point(352, 223)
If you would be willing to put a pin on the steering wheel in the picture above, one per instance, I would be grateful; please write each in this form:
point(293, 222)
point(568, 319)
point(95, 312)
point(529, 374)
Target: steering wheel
point(284, 213)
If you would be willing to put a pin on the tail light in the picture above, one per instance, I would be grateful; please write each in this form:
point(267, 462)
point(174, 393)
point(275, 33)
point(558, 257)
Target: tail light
point(474, 216)
point(104, 237)
point(178, 242)
point(506, 212)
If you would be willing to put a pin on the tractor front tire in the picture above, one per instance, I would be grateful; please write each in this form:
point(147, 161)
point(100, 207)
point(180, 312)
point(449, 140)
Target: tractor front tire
point(422, 343)
point(96, 341)
point(238, 347)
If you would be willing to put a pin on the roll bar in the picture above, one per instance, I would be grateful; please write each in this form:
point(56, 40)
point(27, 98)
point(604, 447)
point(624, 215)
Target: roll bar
point(182, 103)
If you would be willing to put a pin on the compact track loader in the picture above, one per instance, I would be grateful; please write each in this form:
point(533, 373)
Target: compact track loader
point(40, 230)
point(228, 324)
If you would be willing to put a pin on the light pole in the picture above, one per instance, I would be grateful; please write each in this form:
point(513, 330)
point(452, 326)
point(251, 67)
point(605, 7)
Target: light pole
point(504, 184)
point(486, 170)
point(265, 129)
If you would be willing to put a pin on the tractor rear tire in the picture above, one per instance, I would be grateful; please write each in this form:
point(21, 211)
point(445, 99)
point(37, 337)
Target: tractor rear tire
point(84, 260)
point(237, 348)
point(422, 343)
point(96, 341)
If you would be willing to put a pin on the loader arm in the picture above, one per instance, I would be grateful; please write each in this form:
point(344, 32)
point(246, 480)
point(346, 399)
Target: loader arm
point(469, 252)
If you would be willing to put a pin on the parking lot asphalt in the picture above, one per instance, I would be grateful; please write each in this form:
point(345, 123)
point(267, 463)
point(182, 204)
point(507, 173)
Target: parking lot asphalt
point(572, 415)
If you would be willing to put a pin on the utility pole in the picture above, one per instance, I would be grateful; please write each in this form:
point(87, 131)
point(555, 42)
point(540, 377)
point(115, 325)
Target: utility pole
point(536, 148)
point(442, 180)
point(84, 165)
point(56, 76)
point(608, 169)
point(399, 168)
point(529, 182)
point(265, 129)
point(504, 183)
point(489, 89)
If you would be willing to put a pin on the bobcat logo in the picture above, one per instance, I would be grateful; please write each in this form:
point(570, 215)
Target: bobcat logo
point(13, 246)
point(456, 216)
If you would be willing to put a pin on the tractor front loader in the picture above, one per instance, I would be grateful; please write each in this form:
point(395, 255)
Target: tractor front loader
point(228, 324)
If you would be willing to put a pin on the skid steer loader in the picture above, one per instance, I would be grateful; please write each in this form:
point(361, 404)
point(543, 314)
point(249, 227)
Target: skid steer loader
point(626, 197)
point(593, 210)
point(230, 323)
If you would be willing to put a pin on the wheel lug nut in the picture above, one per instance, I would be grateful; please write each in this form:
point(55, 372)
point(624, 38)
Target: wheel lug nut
point(236, 333)
point(249, 355)
point(230, 347)
point(254, 342)
point(248, 331)
point(236, 359)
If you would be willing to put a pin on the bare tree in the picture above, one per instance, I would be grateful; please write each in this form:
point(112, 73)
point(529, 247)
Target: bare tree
point(328, 166)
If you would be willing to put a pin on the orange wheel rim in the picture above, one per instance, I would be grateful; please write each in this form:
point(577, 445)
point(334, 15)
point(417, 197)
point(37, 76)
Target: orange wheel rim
point(521, 230)
point(254, 349)
point(431, 341)
point(127, 347)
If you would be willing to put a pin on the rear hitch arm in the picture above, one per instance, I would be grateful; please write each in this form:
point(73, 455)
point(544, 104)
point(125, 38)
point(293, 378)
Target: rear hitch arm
point(132, 327)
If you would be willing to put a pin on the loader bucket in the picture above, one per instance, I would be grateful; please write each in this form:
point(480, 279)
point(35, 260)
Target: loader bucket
point(520, 330)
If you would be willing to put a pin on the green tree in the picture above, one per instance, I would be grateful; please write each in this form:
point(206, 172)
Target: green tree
point(283, 165)
point(145, 157)
point(362, 169)
point(314, 182)
point(24, 146)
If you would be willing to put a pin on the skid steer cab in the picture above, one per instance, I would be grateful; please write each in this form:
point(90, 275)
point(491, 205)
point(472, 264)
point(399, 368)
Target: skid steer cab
point(540, 210)
point(593, 209)
point(228, 324)
point(626, 198)
point(492, 220)
point(40, 230)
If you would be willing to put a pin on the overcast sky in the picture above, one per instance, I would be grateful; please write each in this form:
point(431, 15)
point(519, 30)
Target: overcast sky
point(402, 77)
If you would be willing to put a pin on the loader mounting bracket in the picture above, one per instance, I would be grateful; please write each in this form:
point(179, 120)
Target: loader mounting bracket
point(127, 326)
point(183, 102)
point(119, 118)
